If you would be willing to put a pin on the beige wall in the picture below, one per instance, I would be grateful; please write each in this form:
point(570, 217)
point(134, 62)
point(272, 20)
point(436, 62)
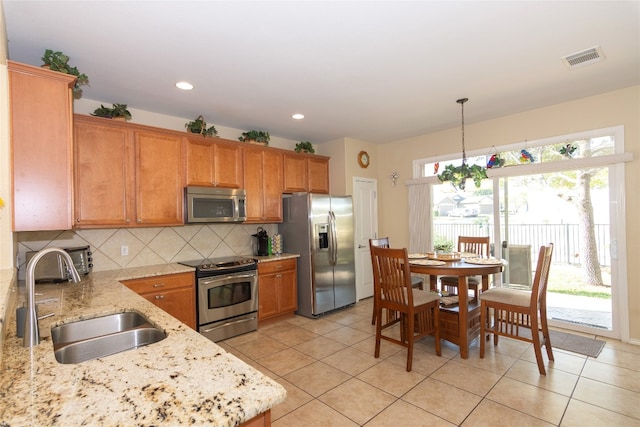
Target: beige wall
point(621, 107)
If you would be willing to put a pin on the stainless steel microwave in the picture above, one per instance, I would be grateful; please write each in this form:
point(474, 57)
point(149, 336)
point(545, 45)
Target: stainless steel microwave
point(212, 204)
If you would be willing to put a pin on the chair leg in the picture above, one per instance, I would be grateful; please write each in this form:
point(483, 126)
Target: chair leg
point(436, 322)
point(484, 313)
point(375, 310)
point(545, 332)
point(535, 335)
point(410, 322)
point(378, 314)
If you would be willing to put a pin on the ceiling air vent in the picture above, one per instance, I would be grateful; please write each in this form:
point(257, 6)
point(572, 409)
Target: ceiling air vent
point(585, 57)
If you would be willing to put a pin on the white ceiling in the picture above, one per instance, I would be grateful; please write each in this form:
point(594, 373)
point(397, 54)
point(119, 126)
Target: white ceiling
point(372, 70)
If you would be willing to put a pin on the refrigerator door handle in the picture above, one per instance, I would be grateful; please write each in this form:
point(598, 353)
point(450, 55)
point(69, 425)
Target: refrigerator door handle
point(333, 241)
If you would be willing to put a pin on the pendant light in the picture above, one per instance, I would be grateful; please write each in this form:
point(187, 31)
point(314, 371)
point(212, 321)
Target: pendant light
point(458, 175)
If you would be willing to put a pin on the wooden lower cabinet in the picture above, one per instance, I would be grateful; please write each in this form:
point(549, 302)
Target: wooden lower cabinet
point(277, 288)
point(174, 293)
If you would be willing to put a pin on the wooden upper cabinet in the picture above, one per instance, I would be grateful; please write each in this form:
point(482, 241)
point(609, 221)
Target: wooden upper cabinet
point(306, 172)
point(296, 175)
point(213, 163)
point(263, 183)
point(104, 171)
point(318, 174)
point(159, 183)
point(126, 175)
point(41, 111)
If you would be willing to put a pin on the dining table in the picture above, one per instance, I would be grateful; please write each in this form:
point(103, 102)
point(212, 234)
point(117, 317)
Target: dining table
point(459, 323)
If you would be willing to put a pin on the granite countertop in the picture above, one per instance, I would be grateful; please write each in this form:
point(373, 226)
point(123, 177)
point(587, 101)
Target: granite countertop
point(268, 258)
point(183, 379)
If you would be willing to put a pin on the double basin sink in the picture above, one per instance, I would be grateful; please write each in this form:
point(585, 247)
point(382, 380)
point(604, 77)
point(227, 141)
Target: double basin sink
point(83, 340)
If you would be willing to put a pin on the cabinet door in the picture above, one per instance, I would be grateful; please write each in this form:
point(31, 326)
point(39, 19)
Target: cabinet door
point(40, 104)
point(288, 291)
point(199, 162)
point(104, 189)
point(319, 175)
point(296, 176)
point(272, 171)
point(227, 164)
point(180, 303)
point(213, 164)
point(253, 184)
point(159, 184)
point(267, 296)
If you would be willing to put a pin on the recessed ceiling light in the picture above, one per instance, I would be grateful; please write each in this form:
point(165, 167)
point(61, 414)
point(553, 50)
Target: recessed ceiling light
point(297, 116)
point(184, 85)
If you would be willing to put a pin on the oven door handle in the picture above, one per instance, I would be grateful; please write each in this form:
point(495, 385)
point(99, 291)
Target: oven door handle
point(206, 331)
point(210, 279)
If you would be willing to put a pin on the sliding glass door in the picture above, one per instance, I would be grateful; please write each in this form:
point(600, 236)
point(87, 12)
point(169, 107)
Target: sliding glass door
point(571, 210)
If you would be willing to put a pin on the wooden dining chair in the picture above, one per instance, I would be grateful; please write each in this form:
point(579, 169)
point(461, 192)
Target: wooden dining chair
point(520, 314)
point(416, 281)
point(476, 245)
point(415, 311)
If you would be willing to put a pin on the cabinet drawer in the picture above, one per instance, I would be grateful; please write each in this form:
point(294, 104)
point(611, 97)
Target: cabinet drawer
point(160, 283)
point(270, 267)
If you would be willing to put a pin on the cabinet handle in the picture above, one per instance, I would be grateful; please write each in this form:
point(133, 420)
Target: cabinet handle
point(278, 276)
point(158, 297)
point(158, 285)
point(278, 267)
point(139, 221)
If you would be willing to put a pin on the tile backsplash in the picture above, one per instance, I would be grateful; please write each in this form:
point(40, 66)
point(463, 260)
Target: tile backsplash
point(147, 246)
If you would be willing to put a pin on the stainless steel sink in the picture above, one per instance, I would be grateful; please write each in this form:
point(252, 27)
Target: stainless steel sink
point(84, 340)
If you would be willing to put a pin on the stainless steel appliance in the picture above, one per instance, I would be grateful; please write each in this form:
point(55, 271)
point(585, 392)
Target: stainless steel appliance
point(226, 296)
point(52, 268)
point(320, 228)
point(212, 204)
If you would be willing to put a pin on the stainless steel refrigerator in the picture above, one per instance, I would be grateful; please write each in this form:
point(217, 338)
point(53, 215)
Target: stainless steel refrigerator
point(320, 228)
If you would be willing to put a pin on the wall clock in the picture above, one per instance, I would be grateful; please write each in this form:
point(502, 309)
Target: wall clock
point(363, 159)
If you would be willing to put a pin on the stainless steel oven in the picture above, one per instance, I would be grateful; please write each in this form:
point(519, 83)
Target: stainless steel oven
point(227, 296)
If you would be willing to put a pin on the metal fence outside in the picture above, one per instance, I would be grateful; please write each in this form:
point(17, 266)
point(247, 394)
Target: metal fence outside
point(565, 237)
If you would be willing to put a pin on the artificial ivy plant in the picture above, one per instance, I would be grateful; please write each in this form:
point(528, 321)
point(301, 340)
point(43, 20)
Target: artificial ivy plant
point(200, 126)
point(58, 61)
point(118, 110)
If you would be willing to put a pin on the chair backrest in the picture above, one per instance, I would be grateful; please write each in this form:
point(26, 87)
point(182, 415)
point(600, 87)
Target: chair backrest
point(391, 276)
point(539, 287)
point(382, 242)
point(476, 245)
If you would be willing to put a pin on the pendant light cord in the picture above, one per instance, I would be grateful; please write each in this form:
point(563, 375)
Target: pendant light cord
point(464, 154)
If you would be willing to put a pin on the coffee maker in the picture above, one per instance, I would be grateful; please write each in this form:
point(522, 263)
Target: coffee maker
point(261, 242)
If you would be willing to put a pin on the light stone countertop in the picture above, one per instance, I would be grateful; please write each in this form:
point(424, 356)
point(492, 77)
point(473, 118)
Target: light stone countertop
point(268, 258)
point(184, 379)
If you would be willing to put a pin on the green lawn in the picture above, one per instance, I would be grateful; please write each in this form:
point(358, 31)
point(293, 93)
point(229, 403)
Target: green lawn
point(567, 279)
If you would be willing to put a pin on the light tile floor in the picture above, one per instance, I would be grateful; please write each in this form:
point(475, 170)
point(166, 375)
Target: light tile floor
point(332, 379)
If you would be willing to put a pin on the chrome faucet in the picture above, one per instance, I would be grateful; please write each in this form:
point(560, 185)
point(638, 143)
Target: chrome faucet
point(31, 330)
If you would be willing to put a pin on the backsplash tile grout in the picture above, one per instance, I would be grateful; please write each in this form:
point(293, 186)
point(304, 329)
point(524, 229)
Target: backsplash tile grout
point(147, 246)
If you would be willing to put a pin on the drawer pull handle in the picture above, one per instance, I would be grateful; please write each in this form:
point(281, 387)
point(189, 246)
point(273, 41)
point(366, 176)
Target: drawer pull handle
point(158, 285)
point(278, 267)
point(278, 276)
point(159, 297)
